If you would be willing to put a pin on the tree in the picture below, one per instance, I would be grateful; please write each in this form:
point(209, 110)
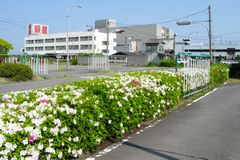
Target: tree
point(5, 46)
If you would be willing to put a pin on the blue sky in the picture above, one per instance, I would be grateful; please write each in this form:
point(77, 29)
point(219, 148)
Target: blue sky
point(16, 14)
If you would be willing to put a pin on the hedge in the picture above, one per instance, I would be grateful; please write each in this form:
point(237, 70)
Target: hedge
point(16, 72)
point(235, 71)
point(219, 73)
point(167, 63)
point(64, 121)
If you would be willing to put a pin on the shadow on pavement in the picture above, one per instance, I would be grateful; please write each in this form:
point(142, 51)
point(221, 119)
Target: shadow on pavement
point(160, 153)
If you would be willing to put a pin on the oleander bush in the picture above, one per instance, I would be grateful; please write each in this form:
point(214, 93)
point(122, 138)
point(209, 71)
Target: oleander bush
point(64, 121)
point(167, 63)
point(219, 73)
point(16, 72)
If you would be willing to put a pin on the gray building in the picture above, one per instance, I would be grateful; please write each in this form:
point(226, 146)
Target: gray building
point(149, 38)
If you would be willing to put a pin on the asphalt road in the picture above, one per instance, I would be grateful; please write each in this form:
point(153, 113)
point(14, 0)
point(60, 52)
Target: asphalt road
point(209, 129)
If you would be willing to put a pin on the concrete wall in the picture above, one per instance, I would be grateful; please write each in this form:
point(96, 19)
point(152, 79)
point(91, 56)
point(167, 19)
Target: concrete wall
point(143, 59)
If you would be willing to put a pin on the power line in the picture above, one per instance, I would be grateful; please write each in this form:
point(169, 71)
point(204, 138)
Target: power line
point(190, 15)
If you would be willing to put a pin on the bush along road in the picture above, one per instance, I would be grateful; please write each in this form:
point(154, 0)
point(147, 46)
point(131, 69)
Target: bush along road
point(68, 120)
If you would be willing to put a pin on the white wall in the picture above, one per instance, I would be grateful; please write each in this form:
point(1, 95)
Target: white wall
point(100, 46)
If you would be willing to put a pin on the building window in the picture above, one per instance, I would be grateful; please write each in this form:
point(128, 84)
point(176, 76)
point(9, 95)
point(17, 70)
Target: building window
point(104, 51)
point(38, 48)
point(73, 47)
point(73, 39)
point(29, 49)
point(60, 39)
point(86, 38)
point(51, 40)
point(85, 47)
point(49, 48)
point(29, 42)
point(61, 48)
point(104, 42)
point(38, 41)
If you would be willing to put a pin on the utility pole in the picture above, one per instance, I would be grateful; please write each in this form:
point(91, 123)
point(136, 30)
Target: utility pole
point(107, 37)
point(174, 45)
point(210, 33)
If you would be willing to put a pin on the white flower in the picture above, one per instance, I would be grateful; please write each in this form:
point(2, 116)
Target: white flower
point(109, 121)
point(101, 115)
point(64, 129)
point(125, 98)
point(25, 142)
point(40, 146)
point(123, 131)
point(23, 153)
point(63, 144)
point(121, 124)
point(60, 155)
point(119, 104)
point(57, 122)
point(75, 139)
point(2, 139)
point(143, 114)
point(82, 111)
point(111, 97)
point(44, 128)
point(159, 110)
point(139, 125)
point(98, 140)
point(10, 146)
point(96, 124)
point(50, 150)
point(131, 109)
point(69, 139)
point(74, 121)
point(79, 152)
point(128, 117)
point(55, 130)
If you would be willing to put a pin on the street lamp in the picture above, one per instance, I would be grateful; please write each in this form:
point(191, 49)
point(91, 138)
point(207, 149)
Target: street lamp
point(209, 29)
point(192, 33)
point(68, 14)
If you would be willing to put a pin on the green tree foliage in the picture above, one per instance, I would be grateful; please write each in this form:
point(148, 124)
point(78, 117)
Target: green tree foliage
point(5, 46)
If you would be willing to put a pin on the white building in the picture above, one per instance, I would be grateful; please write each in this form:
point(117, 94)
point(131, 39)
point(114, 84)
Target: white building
point(139, 38)
point(79, 42)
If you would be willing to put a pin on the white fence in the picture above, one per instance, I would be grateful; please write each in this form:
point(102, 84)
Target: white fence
point(195, 73)
point(98, 63)
point(38, 64)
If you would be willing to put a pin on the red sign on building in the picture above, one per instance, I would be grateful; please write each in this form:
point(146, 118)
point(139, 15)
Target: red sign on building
point(37, 29)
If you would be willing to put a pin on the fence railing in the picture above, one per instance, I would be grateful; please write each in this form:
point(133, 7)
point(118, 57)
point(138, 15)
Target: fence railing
point(38, 63)
point(98, 63)
point(195, 70)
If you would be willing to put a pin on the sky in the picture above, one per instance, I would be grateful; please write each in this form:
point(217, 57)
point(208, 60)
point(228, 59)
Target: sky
point(15, 15)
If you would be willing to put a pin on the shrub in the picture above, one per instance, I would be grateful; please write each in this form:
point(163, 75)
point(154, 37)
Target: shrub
point(152, 64)
point(167, 63)
point(219, 73)
point(74, 61)
point(16, 72)
point(63, 121)
point(234, 71)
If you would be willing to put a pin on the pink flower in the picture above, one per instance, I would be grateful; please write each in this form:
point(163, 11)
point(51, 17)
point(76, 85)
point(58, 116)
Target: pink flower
point(136, 82)
point(32, 138)
point(44, 101)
